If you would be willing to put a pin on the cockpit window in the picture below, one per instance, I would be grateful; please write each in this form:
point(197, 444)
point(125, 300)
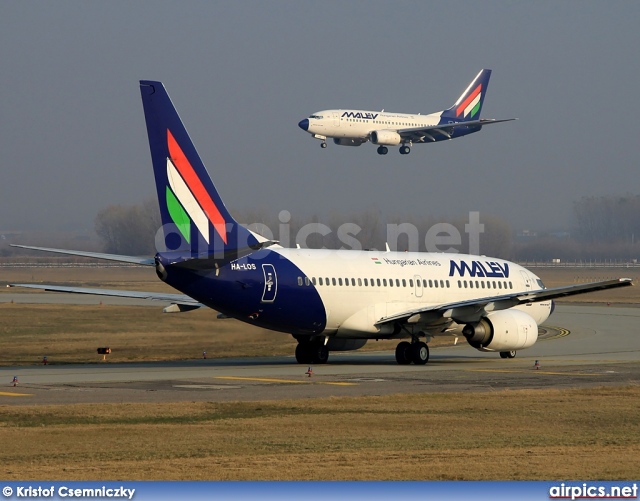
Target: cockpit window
point(540, 284)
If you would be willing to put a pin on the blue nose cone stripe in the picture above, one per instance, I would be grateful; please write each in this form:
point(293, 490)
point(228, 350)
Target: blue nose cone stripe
point(304, 124)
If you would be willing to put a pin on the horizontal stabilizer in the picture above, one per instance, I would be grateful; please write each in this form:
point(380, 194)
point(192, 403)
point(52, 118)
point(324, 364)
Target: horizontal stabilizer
point(144, 261)
point(180, 299)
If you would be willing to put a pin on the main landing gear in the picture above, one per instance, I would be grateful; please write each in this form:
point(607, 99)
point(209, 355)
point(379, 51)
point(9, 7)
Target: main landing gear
point(405, 150)
point(416, 352)
point(382, 150)
point(508, 354)
point(312, 351)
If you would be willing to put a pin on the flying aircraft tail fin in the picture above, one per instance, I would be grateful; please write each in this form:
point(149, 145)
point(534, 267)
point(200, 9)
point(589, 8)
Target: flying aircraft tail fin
point(195, 221)
point(469, 104)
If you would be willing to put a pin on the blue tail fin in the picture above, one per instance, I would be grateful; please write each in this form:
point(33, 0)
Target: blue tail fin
point(469, 104)
point(195, 222)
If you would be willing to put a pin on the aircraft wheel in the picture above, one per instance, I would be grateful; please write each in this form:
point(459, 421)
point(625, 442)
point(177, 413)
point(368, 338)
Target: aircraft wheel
point(319, 354)
point(303, 352)
point(383, 150)
point(403, 353)
point(508, 354)
point(405, 150)
point(323, 145)
point(419, 353)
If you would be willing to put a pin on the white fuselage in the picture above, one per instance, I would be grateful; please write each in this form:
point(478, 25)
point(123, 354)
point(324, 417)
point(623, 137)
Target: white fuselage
point(359, 288)
point(357, 124)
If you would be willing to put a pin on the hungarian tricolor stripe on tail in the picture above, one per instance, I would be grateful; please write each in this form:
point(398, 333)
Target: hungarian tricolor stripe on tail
point(187, 198)
point(470, 106)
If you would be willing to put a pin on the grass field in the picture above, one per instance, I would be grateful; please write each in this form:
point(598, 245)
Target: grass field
point(528, 434)
point(571, 434)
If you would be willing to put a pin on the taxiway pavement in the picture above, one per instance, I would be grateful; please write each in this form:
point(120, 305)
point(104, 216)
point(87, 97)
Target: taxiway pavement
point(589, 346)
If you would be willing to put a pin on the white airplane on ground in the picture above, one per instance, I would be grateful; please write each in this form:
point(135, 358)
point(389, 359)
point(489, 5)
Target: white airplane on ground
point(355, 127)
point(326, 299)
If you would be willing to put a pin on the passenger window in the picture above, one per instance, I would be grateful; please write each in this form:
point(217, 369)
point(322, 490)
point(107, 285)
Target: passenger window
point(410, 283)
point(471, 284)
point(431, 283)
point(424, 283)
point(465, 284)
point(499, 285)
point(435, 283)
point(346, 282)
point(365, 283)
point(333, 280)
point(384, 282)
point(320, 280)
point(459, 284)
point(307, 282)
point(404, 283)
point(359, 282)
point(391, 282)
point(299, 280)
point(442, 283)
point(378, 282)
point(339, 281)
point(447, 284)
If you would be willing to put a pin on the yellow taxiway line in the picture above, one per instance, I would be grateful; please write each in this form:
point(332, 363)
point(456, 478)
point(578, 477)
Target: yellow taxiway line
point(9, 394)
point(294, 381)
point(533, 371)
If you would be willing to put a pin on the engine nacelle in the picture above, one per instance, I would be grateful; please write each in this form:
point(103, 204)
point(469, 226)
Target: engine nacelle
point(345, 141)
point(386, 137)
point(504, 330)
point(344, 344)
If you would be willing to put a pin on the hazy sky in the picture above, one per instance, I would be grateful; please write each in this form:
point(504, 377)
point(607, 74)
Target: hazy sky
point(243, 73)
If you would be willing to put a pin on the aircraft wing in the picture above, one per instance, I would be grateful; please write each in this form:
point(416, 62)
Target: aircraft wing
point(145, 261)
point(427, 133)
point(181, 301)
point(473, 310)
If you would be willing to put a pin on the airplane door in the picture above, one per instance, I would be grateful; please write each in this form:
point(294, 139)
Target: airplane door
point(270, 283)
point(336, 119)
point(527, 279)
point(418, 281)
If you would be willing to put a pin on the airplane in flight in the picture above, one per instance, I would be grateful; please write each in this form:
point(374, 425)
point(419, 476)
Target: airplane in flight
point(328, 300)
point(356, 127)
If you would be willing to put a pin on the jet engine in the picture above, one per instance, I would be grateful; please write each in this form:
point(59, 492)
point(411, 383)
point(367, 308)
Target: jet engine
point(504, 330)
point(345, 141)
point(387, 137)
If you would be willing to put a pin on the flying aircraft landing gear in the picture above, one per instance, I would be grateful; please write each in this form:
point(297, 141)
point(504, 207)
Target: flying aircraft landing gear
point(405, 150)
point(323, 145)
point(382, 150)
point(508, 354)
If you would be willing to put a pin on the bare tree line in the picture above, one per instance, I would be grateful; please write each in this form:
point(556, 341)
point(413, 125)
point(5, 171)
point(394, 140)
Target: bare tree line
point(132, 230)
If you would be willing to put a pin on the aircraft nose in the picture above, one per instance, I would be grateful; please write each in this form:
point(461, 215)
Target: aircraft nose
point(304, 124)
